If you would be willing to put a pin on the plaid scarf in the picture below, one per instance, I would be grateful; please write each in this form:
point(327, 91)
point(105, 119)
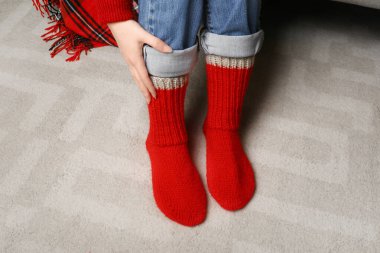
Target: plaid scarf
point(74, 27)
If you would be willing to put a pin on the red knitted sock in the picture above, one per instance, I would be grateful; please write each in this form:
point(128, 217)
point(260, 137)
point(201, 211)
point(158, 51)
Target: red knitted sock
point(177, 186)
point(230, 176)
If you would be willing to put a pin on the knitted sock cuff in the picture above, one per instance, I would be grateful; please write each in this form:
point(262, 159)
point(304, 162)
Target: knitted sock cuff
point(230, 62)
point(169, 83)
point(166, 112)
point(227, 82)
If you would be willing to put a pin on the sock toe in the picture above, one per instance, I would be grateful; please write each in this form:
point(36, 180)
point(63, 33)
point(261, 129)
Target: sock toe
point(177, 186)
point(230, 176)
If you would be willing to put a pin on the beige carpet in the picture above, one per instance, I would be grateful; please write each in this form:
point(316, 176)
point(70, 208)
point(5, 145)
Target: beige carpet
point(74, 174)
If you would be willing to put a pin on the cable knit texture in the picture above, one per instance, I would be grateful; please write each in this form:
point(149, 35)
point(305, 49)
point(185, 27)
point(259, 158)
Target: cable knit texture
point(177, 186)
point(230, 176)
point(109, 11)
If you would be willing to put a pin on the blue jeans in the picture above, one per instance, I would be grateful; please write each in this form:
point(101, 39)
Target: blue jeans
point(225, 28)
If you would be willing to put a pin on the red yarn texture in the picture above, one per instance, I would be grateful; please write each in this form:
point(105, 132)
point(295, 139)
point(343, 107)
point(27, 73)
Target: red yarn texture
point(177, 186)
point(109, 11)
point(230, 176)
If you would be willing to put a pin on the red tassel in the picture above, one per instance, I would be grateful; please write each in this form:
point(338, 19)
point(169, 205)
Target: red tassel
point(43, 6)
point(77, 50)
point(64, 38)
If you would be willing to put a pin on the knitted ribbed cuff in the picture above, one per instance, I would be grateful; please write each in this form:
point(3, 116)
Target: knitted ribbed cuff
point(166, 112)
point(110, 11)
point(169, 83)
point(230, 62)
point(227, 82)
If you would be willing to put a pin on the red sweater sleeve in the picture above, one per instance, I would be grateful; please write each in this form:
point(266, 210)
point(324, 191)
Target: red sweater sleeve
point(109, 11)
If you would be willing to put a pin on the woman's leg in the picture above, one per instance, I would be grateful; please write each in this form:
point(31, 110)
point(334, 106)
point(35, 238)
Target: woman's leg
point(177, 187)
point(177, 24)
point(231, 38)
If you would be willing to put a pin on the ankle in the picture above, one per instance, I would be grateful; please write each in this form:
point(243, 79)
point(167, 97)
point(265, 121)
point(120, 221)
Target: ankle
point(208, 125)
point(151, 143)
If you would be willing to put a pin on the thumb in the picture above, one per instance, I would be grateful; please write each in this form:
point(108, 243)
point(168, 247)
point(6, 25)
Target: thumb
point(157, 43)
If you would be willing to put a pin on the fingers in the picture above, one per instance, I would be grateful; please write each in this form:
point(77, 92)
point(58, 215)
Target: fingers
point(140, 75)
point(144, 76)
point(156, 43)
point(144, 90)
point(131, 49)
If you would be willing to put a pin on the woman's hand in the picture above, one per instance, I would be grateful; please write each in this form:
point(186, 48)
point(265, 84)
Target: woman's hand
point(130, 38)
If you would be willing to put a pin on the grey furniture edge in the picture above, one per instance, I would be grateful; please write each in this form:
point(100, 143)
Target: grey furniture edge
point(366, 3)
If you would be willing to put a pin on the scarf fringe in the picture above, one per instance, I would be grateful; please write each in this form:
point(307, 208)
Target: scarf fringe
point(63, 38)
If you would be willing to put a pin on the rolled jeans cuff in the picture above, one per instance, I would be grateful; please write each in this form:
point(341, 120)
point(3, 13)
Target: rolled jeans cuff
point(232, 46)
point(176, 63)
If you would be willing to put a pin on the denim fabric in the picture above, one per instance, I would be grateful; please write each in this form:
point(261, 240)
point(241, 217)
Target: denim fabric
point(231, 46)
point(239, 17)
point(177, 63)
point(175, 22)
point(230, 28)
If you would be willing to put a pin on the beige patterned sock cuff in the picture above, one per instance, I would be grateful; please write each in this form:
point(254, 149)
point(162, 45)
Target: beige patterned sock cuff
point(230, 62)
point(168, 83)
